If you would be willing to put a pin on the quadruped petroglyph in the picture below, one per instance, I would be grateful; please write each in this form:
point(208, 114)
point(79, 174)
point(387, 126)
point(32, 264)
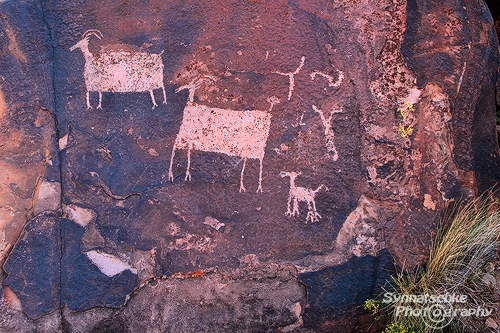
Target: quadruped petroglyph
point(120, 71)
point(301, 194)
point(234, 133)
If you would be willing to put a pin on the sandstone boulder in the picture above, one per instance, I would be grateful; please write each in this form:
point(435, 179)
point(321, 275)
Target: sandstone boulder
point(232, 166)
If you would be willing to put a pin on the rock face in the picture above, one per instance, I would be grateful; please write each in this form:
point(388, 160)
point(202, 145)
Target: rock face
point(234, 166)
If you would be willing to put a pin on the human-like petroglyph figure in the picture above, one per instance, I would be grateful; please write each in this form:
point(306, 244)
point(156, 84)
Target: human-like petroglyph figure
point(331, 80)
point(120, 71)
point(234, 133)
point(300, 121)
point(291, 76)
point(301, 194)
point(329, 134)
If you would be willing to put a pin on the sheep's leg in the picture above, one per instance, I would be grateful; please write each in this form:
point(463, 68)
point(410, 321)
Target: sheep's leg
point(100, 100)
point(259, 189)
point(316, 214)
point(170, 173)
point(88, 100)
point(314, 217)
point(288, 210)
point(164, 95)
point(242, 187)
point(314, 206)
point(310, 214)
point(295, 207)
point(188, 174)
point(153, 98)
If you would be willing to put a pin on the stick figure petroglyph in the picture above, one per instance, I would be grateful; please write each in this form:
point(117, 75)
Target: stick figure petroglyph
point(301, 194)
point(329, 134)
point(331, 82)
point(291, 76)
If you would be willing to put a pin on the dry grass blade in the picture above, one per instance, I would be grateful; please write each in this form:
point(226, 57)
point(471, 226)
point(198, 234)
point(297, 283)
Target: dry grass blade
point(466, 243)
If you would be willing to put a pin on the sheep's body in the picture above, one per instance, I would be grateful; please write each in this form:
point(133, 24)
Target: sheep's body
point(124, 72)
point(234, 133)
point(120, 71)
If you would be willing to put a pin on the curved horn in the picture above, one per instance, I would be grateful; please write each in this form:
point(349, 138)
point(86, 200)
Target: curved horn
point(92, 32)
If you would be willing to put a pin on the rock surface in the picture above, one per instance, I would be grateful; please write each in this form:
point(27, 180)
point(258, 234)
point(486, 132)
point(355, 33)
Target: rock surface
point(234, 166)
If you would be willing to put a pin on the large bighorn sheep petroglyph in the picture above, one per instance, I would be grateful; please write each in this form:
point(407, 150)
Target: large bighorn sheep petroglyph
point(301, 194)
point(120, 71)
point(234, 133)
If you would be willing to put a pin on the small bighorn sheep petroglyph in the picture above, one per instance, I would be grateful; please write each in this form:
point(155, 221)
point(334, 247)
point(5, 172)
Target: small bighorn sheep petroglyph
point(120, 71)
point(301, 194)
point(329, 134)
point(234, 133)
point(291, 76)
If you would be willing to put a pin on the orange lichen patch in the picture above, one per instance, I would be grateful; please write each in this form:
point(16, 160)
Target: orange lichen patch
point(16, 189)
point(19, 183)
point(11, 299)
point(199, 273)
point(428, 202)
point(196, 274)
point(14, 46)
point(3, 106)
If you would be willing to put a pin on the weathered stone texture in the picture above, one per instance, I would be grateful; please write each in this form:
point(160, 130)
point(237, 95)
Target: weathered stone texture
point(231, 166)
point(34, 274)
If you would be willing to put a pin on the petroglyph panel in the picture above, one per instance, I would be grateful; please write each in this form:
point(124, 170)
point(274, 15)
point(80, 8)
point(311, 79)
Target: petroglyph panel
point(330, 79)
point(299, 101)
point(291, 77)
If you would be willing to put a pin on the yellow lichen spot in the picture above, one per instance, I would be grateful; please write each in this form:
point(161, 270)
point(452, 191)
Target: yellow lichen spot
point(372, 305)
point(406, 126)
point(405, 131)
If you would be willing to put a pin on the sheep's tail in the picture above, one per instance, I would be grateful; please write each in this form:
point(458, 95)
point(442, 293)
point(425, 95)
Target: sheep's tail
point(319, 188)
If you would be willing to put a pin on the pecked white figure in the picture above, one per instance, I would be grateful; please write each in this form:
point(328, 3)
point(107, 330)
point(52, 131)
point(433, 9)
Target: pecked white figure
point(120, 71)
point(235, 133)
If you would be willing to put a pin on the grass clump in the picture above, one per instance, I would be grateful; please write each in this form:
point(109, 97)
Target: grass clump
point(466, 243)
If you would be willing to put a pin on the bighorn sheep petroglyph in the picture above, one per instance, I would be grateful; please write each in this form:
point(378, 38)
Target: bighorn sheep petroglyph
point(301, 194)
point(120, 71)
point(234, 133)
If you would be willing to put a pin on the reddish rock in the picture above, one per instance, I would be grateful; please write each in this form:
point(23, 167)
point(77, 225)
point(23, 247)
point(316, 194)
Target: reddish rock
point(210, 160)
